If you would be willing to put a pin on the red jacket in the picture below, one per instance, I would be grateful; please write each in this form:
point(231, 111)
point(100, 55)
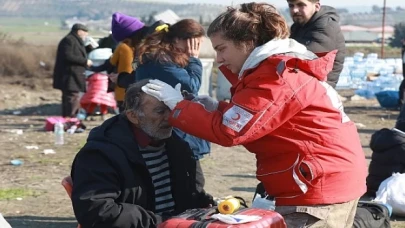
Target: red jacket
point(308, 151)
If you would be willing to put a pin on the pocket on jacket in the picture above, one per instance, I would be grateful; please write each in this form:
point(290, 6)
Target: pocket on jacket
point(310, 171)
point(283, 179)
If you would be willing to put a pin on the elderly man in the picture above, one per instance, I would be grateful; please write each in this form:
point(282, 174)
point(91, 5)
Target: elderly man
point(70, 65)
point(133, 172)
point(317, 27)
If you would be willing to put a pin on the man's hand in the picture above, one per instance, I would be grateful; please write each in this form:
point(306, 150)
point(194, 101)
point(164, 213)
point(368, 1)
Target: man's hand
point(113, 77)
point(208, 102)
point(89, 63)
point(164, 92)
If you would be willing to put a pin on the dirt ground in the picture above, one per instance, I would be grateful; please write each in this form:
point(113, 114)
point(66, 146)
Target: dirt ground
point(31, 194)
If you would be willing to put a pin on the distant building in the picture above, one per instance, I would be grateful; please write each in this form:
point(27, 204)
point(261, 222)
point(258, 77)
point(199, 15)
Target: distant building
point(360, 34)
point(168, 16)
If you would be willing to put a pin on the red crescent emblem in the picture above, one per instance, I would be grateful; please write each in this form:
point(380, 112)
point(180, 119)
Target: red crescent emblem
point(236, 117)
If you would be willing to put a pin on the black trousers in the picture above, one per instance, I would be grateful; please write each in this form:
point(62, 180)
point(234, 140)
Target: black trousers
point(70, 103)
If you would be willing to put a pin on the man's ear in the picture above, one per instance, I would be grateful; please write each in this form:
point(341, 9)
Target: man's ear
point(132, 117)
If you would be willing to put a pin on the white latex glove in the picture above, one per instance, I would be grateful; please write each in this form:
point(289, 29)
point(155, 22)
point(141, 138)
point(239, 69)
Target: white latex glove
point(164, 92)
point(208, 102)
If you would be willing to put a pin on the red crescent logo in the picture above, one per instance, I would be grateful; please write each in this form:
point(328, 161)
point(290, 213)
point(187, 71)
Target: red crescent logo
point(236, 117)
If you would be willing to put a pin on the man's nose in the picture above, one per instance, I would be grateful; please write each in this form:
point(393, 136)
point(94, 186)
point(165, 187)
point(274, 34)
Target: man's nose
point(295, 9)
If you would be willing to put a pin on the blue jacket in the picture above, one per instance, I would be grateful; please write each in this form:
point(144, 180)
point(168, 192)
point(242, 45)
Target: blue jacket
point(189, 77)
point(190, 80)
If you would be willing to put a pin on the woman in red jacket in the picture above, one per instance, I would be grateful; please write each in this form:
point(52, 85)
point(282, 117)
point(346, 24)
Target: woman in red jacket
point(309, 155)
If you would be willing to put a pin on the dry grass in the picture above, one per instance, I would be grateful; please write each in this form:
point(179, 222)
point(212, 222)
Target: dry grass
point(26, 61)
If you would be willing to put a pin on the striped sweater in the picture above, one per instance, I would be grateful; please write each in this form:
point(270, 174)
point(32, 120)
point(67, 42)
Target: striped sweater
point(157, 163)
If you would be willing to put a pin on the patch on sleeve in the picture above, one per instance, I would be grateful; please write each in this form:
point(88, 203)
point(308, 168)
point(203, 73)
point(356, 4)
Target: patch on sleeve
point(236, 118)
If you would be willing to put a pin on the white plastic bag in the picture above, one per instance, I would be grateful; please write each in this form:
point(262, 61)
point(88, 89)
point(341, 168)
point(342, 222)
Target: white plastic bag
point(259, 202)
point(392, 192)
point(3, 222)
point(236, 219)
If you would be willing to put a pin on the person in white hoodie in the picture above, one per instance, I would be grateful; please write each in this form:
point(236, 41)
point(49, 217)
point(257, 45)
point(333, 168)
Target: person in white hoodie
point(309, 155)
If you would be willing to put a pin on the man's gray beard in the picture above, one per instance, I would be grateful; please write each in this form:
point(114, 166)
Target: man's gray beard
point(156, 135)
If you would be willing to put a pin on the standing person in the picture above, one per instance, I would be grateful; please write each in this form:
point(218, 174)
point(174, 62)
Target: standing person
point(309, 155)
point(127, 32)
point(70, 66)
point(107, 42)
point(317, 27)
point(171, 55)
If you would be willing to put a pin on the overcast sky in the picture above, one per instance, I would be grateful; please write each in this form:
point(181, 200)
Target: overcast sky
point(283, 3)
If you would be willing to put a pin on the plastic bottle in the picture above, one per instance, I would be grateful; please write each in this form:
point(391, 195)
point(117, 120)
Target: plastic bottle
point(59, 130)
point(81, 115)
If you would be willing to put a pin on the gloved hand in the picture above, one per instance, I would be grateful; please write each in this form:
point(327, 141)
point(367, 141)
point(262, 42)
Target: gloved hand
point(164, 92)
point(208, 102)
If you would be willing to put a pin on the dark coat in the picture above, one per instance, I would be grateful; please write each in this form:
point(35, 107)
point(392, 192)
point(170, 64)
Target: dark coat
point(322, 34)
point(70, 65)
point(112, 186)
point(388, 156)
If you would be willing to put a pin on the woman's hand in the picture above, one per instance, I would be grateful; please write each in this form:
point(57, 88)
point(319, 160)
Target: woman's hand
point(193, 47)
point(208, 102)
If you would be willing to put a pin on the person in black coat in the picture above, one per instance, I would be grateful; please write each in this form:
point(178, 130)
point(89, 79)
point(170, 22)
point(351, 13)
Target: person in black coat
point(70, 65)
point(133, 172)
point(317, 27)
point(388, 157)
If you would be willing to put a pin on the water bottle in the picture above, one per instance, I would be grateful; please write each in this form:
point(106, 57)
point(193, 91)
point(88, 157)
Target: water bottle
point(81, 114)
point(59, 130)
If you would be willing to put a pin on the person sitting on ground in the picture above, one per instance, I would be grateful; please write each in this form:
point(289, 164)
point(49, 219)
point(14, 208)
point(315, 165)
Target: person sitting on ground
point(388, 157)
point(133, 172)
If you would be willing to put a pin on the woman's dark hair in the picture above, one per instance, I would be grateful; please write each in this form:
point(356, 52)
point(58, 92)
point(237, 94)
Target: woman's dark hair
point(257, 22)
point(159, 46)
point(136, 38)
